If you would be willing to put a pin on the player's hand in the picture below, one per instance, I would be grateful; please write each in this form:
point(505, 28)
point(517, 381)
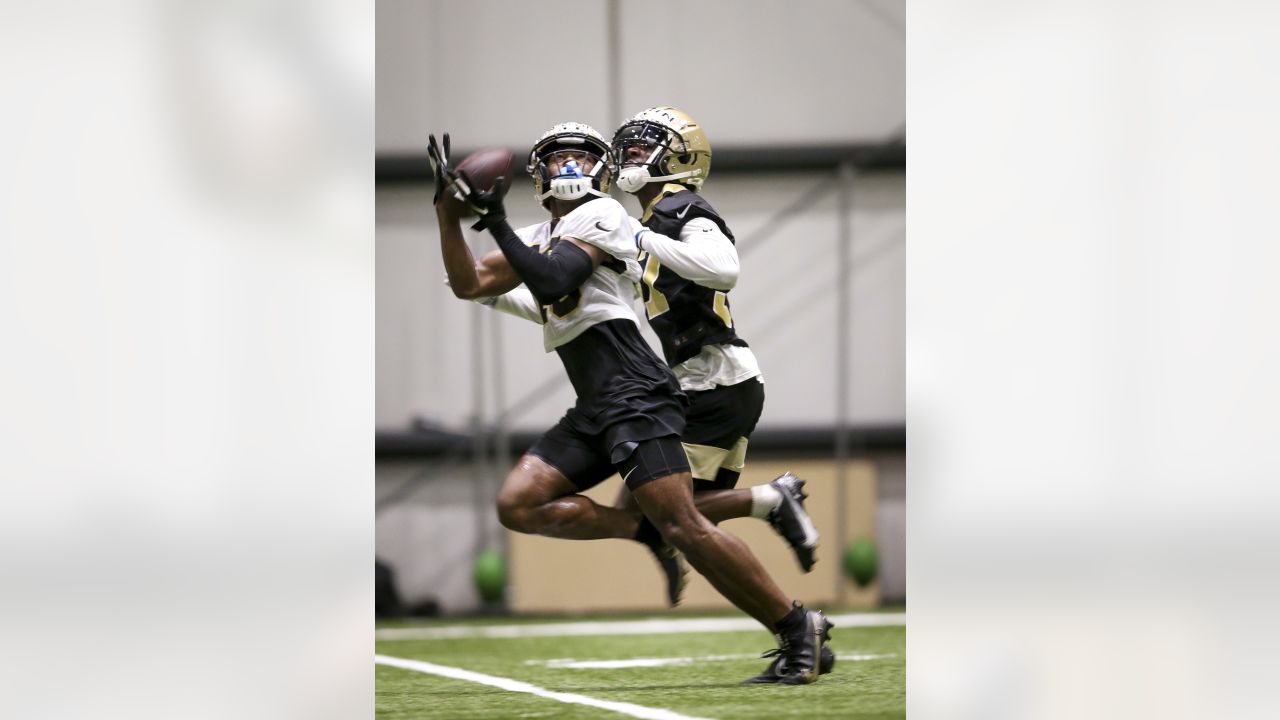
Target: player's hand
point(487, 204)
point(439, 165)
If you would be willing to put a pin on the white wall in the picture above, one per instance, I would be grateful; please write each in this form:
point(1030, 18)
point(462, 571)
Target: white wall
point(783, 306)
point(495, 72)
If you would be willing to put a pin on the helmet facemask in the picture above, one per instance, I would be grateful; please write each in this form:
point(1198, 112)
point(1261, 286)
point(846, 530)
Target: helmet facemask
point(585, 165)
point(655, 141)
point(669, 156)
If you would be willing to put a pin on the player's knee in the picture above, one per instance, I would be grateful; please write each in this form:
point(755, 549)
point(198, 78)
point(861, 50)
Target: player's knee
point(509, 516)
point(514, 512)
point(683, 533)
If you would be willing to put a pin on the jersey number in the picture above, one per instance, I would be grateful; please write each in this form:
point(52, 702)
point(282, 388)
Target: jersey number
point(721, 306)
point(564, 305)
point(655, 303)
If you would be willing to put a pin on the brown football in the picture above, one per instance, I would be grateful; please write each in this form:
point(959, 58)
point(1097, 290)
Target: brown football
point(484, 167)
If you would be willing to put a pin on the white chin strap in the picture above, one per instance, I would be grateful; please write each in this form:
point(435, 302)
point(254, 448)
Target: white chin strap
point(631, 179)
point(570, 189)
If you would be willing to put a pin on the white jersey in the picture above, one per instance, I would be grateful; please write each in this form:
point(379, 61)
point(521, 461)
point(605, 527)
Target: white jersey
point(609, 292)
point(717, 365)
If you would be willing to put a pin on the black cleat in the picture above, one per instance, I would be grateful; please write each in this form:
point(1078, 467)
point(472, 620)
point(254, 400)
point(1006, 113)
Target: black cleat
point(773, 674)
point(673, 566)
point(799, 656)
point(791, 521)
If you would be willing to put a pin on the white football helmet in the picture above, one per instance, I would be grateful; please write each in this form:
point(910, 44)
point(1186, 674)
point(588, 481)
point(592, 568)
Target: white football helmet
point(678, 149)
point(564, 143)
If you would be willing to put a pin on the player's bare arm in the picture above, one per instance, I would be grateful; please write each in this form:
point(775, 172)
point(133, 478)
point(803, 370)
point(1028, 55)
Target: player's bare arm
point(469, 279)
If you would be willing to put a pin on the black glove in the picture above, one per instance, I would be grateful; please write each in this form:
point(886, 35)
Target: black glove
point(487, 204)
point(439, 165)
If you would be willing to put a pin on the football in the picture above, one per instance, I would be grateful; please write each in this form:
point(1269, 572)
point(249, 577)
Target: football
point(484, 167)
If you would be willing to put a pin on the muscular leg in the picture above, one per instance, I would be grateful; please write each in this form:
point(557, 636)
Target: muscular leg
point(721, 505)
point(539, 500)
point(716, 505)
point(720, 557)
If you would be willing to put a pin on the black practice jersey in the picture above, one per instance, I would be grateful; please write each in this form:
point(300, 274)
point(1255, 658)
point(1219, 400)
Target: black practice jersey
point(683, 314)
point(618, 378)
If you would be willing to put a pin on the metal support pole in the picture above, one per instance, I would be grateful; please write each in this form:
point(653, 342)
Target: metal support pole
point(501, 427)
point(479, 469)
point(844, 276)
point(613, 21)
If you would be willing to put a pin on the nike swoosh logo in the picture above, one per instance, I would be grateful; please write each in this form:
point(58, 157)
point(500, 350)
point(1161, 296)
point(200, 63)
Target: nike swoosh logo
point(680, 215)
point(602, 228)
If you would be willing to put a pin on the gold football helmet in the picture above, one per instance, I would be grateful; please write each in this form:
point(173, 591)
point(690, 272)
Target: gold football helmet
point(679, 150)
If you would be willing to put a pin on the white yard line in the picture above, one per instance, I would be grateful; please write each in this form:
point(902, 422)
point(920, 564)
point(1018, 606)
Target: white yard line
point(621, 627)
point(639, 711)
point(662, 662)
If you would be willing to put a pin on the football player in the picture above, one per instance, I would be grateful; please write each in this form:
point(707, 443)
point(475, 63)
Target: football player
point(690, 265)
point(629, 411)
point(685, 289)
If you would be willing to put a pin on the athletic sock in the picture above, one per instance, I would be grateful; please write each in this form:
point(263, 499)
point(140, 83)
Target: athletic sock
point(648, 534)
point(791, 620)
point(764, 498)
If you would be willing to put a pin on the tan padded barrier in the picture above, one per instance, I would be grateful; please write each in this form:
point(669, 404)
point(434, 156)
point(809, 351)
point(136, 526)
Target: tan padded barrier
point(555, 576)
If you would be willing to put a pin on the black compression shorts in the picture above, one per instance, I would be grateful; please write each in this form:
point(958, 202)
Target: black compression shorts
point(653, 459)
point(588, 460)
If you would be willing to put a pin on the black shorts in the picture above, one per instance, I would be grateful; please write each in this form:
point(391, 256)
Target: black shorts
point(717, 425)
point(719, 416)
point(640, 451)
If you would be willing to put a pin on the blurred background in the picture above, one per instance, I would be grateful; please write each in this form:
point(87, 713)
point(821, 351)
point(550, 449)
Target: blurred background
point(807, 125)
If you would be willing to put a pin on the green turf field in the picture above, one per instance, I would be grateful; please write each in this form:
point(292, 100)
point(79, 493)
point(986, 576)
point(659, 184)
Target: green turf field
point(868, 681)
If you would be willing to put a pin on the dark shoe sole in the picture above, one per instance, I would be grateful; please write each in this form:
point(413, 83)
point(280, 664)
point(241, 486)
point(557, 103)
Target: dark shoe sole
point(826, 661)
